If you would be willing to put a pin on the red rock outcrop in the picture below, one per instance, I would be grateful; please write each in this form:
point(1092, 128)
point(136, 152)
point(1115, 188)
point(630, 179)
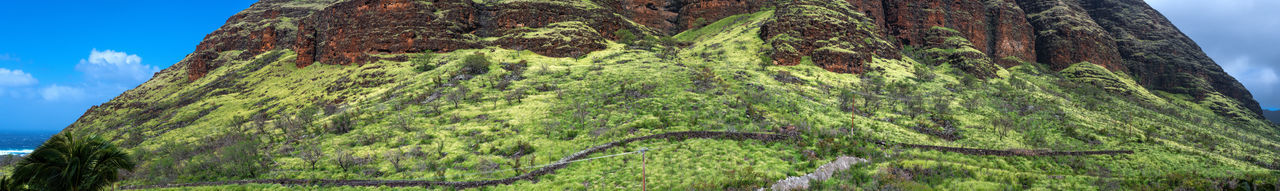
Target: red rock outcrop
point(540, 14)
point(945, 45)
point(674, 16)
point(657, 14)
point(199, 64)
point(562, 39)
point(1065, 35)
point(910, 20)
point(1011, 34)
point(804, 29)
point(350, 32)
point(587, 27)
point(343, 33)
point(253, 31)
point(995, 27)
point(698, 13)
point(870, 8)
point(1121, 35)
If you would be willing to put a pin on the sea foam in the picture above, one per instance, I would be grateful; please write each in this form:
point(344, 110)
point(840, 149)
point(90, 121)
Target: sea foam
point(15, 152)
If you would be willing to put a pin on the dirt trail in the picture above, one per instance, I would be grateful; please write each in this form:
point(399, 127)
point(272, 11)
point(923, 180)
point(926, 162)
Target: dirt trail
point(1017, 152)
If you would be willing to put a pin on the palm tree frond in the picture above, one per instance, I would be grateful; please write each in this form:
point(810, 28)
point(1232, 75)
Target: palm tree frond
point(68, 162)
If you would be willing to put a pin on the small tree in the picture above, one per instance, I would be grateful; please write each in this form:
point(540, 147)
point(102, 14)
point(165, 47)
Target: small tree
point(307, 117)
point(68, 162)
point(459, 95)
point(342, 123)
point(348, 162)
point(422, 62)
point(476, 64)
point(395, 157)
point(515, 95)
point(402, 123)
point(312, 154)
point(625, 36)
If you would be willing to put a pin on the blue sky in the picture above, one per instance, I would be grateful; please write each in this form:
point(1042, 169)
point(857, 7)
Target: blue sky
point(58, 58)
point(1243, 36)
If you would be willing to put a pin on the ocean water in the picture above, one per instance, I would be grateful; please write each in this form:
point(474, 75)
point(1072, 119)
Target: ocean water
point(15, 143)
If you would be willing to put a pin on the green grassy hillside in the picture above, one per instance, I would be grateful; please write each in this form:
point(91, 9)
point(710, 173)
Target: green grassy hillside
point(458, 115)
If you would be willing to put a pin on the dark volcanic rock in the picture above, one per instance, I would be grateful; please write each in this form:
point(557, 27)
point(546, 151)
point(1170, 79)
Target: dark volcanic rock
point(1065, 35)
point(1011, 35)
point(1160, 56)
point(1124, 36)
point(674, 16)
point(910, 20)
point(349, 32)
point(871, 8)
point(804, 29)
point(199, 64)
point(944, 45)
point(569, 29)
point(984, 32)
point(539, 14)
point(657, 14)
point(995, 27)
point(344, 33)
point(698, 13)
point(563, 39)
point(264, 26)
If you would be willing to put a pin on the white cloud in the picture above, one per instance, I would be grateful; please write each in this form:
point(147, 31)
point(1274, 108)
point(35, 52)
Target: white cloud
point(1260, 79)
point(56, 93)
point(15, 78)
point(1239, 34)
point(112, 65)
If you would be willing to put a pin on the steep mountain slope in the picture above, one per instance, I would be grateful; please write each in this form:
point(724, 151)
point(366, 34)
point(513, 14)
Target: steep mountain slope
point(467, 90)
point(1272, 115)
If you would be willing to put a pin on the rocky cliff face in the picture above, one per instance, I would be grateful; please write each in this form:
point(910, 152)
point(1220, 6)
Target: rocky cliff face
point(351, 32)
point(803, 29)
point(267, 25)
point(673, 16)
point(1124, 36)
point(1065, 35)
point(996, 27)
point(1160, 56)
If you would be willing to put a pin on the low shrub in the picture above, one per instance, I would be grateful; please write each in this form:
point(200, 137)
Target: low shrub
point(476, 64)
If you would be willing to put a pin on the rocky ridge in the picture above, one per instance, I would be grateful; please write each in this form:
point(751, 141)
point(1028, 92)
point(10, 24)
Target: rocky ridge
point(1006, 33)
point(1160, 56)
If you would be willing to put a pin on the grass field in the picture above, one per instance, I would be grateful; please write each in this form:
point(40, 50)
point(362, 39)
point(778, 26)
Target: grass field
point(482, 110)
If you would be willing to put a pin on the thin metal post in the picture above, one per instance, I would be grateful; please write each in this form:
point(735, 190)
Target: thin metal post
point(644, 185)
